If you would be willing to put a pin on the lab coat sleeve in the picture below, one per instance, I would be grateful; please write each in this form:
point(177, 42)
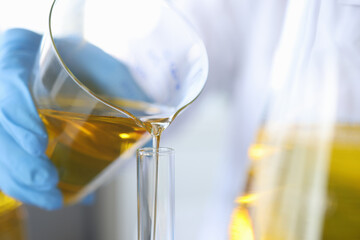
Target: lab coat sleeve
point(240, 36)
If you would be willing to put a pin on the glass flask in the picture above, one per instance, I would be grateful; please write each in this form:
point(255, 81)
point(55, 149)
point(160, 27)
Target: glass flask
point(12, 219)
point(305, 162)
point(109, 73)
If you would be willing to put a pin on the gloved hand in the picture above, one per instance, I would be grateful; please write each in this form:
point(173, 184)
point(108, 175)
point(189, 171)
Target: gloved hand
point(25, 171)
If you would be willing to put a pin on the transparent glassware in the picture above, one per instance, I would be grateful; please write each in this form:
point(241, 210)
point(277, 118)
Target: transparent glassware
point(108, 74)
point(156, 193)
point(305, 162)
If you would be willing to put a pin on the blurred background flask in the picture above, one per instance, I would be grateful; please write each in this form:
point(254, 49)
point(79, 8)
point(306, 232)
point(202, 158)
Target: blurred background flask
point(303, 181)
point(12, 219)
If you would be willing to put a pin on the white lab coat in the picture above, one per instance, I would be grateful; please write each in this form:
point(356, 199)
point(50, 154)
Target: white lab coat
point(243, 39)
point(240, 37)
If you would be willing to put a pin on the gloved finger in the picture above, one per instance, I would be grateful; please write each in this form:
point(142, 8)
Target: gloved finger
point(100, 72)
point(18, 114)
point(149, 144)
point(89, 199)
point(50, 199)
point(31, 171)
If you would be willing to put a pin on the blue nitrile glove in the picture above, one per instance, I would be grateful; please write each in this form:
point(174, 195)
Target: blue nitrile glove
point(99, 71)
point(25, 171)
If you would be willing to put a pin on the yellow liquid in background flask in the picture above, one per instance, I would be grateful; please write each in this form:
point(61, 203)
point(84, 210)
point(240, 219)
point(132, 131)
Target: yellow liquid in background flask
point(12, 223)
point(82, 145)
point(340, 217)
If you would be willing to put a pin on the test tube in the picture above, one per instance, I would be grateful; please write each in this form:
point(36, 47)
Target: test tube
point(156, 194)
